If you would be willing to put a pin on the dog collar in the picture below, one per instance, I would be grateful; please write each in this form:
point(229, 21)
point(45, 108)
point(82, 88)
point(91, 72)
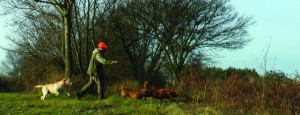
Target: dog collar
point(64, 83)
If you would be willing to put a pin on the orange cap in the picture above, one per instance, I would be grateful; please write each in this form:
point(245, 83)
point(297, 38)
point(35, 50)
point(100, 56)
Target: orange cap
point(102, 45)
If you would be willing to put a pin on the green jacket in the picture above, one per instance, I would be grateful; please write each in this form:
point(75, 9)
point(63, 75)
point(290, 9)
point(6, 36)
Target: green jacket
point(96, 62)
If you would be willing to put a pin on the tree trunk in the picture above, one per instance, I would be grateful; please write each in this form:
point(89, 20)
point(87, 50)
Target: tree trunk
point(67, 25)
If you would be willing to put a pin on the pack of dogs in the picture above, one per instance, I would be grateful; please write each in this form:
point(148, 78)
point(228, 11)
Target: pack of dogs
point(144, 93)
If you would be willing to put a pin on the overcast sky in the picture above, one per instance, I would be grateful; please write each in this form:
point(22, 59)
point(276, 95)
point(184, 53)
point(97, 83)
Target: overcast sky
point(3, 32)
point(277, 22)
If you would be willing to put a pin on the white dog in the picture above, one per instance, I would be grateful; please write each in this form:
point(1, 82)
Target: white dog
point(56, 88)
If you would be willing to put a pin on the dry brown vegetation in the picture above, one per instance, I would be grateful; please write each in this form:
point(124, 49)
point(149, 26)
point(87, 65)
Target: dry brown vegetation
point(261, 95)
point(233, 93)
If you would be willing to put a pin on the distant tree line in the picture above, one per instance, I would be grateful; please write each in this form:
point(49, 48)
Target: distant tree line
point(152, 39)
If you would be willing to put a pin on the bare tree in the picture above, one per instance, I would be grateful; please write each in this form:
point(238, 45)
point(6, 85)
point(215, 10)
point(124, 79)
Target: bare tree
point(181, 28)
point(65, 8)
point(36, 33)
point(40, 27)
point(12, 66)
point(130, 28)
point(155, 37)
point(89, 15)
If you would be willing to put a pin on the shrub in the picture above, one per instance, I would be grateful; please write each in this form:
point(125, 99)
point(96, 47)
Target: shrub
point(192, 88)
point(11, 84)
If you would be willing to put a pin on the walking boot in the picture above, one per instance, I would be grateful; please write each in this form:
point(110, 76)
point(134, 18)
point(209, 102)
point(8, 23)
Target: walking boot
point(79, 95)
point(101, 97)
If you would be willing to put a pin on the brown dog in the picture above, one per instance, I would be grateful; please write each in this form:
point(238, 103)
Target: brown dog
point(167, 94)
point(134, 93)
point(161, 93)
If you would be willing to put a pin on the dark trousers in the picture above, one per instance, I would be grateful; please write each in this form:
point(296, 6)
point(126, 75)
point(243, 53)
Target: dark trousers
point(100, 85)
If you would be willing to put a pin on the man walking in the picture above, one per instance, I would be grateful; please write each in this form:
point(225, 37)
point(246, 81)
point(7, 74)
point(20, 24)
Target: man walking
point(95, 71)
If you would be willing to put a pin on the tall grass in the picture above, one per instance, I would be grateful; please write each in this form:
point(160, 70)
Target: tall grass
point(20, 103)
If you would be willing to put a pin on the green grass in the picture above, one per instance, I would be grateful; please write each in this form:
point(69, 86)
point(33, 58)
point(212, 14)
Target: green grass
point(20, 103)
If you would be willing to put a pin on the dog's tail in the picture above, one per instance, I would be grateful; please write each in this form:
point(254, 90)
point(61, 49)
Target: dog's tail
point(39, 86)
point(145, 84)
point(122, 87)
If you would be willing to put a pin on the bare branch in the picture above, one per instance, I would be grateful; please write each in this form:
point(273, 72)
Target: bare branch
point(52, 2)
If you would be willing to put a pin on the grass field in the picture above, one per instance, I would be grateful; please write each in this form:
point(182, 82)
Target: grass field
point(20, 103)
